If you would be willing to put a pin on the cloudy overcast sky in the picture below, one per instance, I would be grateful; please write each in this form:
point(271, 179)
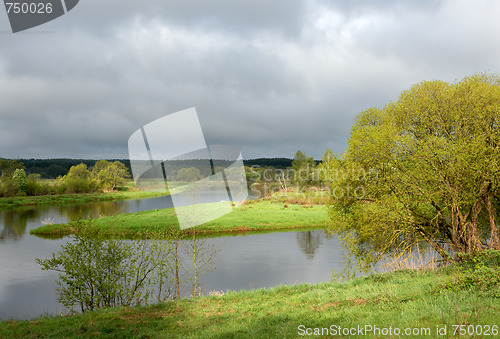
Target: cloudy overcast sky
point(267, 76)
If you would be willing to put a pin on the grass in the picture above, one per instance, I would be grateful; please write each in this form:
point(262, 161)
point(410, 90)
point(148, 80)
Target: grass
point(58, 199)
point(307, 196)
point(253, 216)
point(402, 299)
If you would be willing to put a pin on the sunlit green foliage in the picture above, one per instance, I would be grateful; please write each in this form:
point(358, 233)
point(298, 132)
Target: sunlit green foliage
point(303, 169)
point(423, 168)
point(479, 272)
point(110, 175)
point(97, 272)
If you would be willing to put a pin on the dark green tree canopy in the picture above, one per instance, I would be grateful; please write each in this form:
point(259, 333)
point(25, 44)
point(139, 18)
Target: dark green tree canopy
point(7, 167)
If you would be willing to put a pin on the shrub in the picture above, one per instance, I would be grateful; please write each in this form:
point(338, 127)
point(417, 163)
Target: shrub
point(19, 177)
point(79, 180)
point(480, 271)
point(77, 185)
point(8, 187)
point(35, 187)
point(97, 272)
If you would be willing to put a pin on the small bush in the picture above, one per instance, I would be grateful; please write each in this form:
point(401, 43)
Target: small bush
point(77, 185)
point(479, 271)
point(8, 187)
point(35, 187)
point(96, 272)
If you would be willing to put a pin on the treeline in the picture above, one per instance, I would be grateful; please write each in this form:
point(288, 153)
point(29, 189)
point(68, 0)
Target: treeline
point(53, 168)
point(280, 163)
point(302, 170)
point(102, 176)
point(26, 177)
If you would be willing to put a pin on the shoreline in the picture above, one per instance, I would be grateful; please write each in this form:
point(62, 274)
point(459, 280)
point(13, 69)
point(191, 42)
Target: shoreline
point(253, 216)
point(401, 300)
point(78, 198)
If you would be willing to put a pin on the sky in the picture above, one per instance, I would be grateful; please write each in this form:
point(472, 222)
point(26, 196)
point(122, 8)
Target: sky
point(268, 76)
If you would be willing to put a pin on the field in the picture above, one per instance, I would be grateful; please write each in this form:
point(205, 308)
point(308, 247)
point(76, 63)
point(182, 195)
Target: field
point(371, 306)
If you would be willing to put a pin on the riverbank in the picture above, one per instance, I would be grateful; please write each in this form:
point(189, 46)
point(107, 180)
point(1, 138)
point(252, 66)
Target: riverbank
point(61, 199)
point(253, 216)
point(400, 301)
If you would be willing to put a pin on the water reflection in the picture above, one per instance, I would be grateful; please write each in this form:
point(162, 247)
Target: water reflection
point(94, 210)
point(243, 262)
point(309, 242)
point(16, 222)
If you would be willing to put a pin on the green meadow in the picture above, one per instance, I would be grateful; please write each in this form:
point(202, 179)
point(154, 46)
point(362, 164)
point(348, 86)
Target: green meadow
point(253, 216)
point(366, 307)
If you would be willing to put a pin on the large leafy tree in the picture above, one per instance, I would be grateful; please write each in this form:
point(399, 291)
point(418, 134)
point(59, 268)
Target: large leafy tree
point(423, 168)
point(111, 174)
point(78, 179)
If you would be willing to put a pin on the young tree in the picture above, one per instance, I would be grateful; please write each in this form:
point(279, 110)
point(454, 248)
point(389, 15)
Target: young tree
point(436, 156)
point(111, 175)
point(100, 166)
point(202, 255)
point(19, 177)
point(303, 168)
point(97, 272)
point(78, 179)
point(329, 167)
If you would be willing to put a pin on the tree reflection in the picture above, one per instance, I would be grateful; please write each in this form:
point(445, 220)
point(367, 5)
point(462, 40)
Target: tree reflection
point(15, 222)
point(310, 241)
point(92, 210)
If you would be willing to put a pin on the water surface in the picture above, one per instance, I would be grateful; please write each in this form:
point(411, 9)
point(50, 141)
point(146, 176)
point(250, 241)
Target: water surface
point(243, 262)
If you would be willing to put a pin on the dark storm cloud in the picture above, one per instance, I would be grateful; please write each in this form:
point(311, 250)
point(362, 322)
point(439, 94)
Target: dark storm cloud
point(270, 77)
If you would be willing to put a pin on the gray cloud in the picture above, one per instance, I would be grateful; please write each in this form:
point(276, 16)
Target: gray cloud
point(269, 77)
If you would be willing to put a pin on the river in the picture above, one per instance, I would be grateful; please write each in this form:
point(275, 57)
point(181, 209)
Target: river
point(243, 262)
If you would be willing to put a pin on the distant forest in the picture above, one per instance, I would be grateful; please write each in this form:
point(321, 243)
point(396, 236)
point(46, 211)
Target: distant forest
point(52, 168)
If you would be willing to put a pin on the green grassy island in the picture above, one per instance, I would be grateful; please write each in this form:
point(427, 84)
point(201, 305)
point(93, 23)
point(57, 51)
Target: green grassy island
point(253, 216)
